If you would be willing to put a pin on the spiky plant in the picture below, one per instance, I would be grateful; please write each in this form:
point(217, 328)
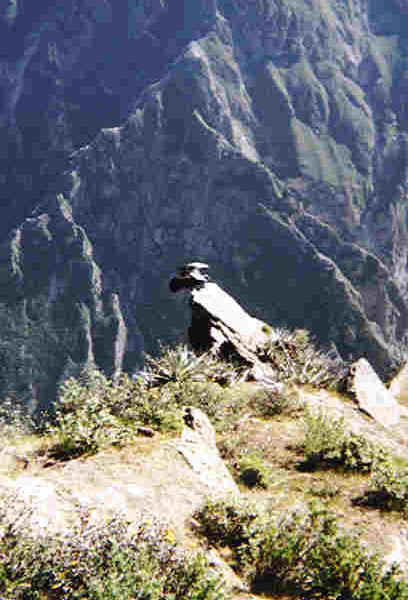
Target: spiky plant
point(297, 360)
point(180, 364)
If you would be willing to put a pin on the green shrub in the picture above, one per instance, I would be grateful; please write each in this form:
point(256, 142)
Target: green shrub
point(303, 553)
point(224, 406)
point(206, 395)
point(102, 562)
point(94, 412)
point(324, 490)
point(253, 470)
point(388, 488)
point(269, 403)
point(327, 443)
point(296, 360)
point(180, 364)
point(231, 449)
point(307, 555)
point(227, 522)
point(276, 557)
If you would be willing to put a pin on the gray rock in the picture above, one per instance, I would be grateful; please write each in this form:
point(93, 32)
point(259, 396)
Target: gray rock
point(372, 396)
point(399, 385)
point(221, 326)
point(168, 479)
point(198, 447)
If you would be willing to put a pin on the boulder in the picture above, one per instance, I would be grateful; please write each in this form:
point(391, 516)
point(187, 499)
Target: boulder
point(371, 394)
point(220, 325)
point(399, 385)
point(198, 446)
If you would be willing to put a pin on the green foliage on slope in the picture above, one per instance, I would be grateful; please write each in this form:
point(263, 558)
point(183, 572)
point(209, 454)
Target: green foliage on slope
point(388, 489)
point(328, 443)
point(106, 561)
point(94, 412)
point(302, 553)
point(297, 360)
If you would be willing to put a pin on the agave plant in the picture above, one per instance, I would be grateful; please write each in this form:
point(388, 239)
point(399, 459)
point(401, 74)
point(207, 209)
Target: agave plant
point(180, 364)
point(296, 359)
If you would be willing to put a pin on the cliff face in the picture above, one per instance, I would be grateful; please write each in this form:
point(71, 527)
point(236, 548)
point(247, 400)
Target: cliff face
point(55, 318)
point(265, 137)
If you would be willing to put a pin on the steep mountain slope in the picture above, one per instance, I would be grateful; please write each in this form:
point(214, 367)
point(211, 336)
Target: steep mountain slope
point(266, 137)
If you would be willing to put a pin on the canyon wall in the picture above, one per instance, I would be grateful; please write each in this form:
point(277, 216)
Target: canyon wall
point(267, 138)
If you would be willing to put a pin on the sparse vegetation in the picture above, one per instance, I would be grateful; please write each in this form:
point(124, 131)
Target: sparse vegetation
point(270, 403)
point(227, 522)
point(327, 443)
point(106, 561)
point(180, 364)
point(303, 553)
point(306, 553)
point(94, 412)
point(388, 489)
point(253, 470)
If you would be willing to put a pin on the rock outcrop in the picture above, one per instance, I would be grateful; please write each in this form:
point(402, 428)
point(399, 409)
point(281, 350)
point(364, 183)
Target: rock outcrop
point(152, 478)
point(166, 125)
point(399, 384)
point(56, 319)
point(219, 325)
point(372, 396)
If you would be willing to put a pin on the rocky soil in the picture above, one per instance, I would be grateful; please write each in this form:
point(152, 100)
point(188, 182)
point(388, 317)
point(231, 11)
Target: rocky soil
point(170, 478)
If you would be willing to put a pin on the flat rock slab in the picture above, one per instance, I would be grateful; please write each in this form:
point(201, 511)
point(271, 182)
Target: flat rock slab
point(167, 479)
point(372, 396)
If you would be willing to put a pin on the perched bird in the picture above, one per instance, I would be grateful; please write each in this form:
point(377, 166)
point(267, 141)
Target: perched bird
point(189, 276)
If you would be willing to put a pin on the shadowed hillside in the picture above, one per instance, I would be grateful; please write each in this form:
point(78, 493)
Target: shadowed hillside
point(265, 138)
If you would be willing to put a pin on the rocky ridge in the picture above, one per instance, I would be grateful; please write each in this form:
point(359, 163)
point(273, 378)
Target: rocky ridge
point(58, 486)
point(148, 478)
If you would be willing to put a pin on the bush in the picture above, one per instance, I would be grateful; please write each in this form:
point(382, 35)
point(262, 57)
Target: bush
point(227, 523)
point(253, 471)
point(94, 412)
point(178, 378)
point(296, 360)
point(327, 443)
point(306, 554)
point(180, 364)
point(269, 403)
point(208, 396)
point(303, 553)
point(186, 379)
point(102, 562)
point(388, 488)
